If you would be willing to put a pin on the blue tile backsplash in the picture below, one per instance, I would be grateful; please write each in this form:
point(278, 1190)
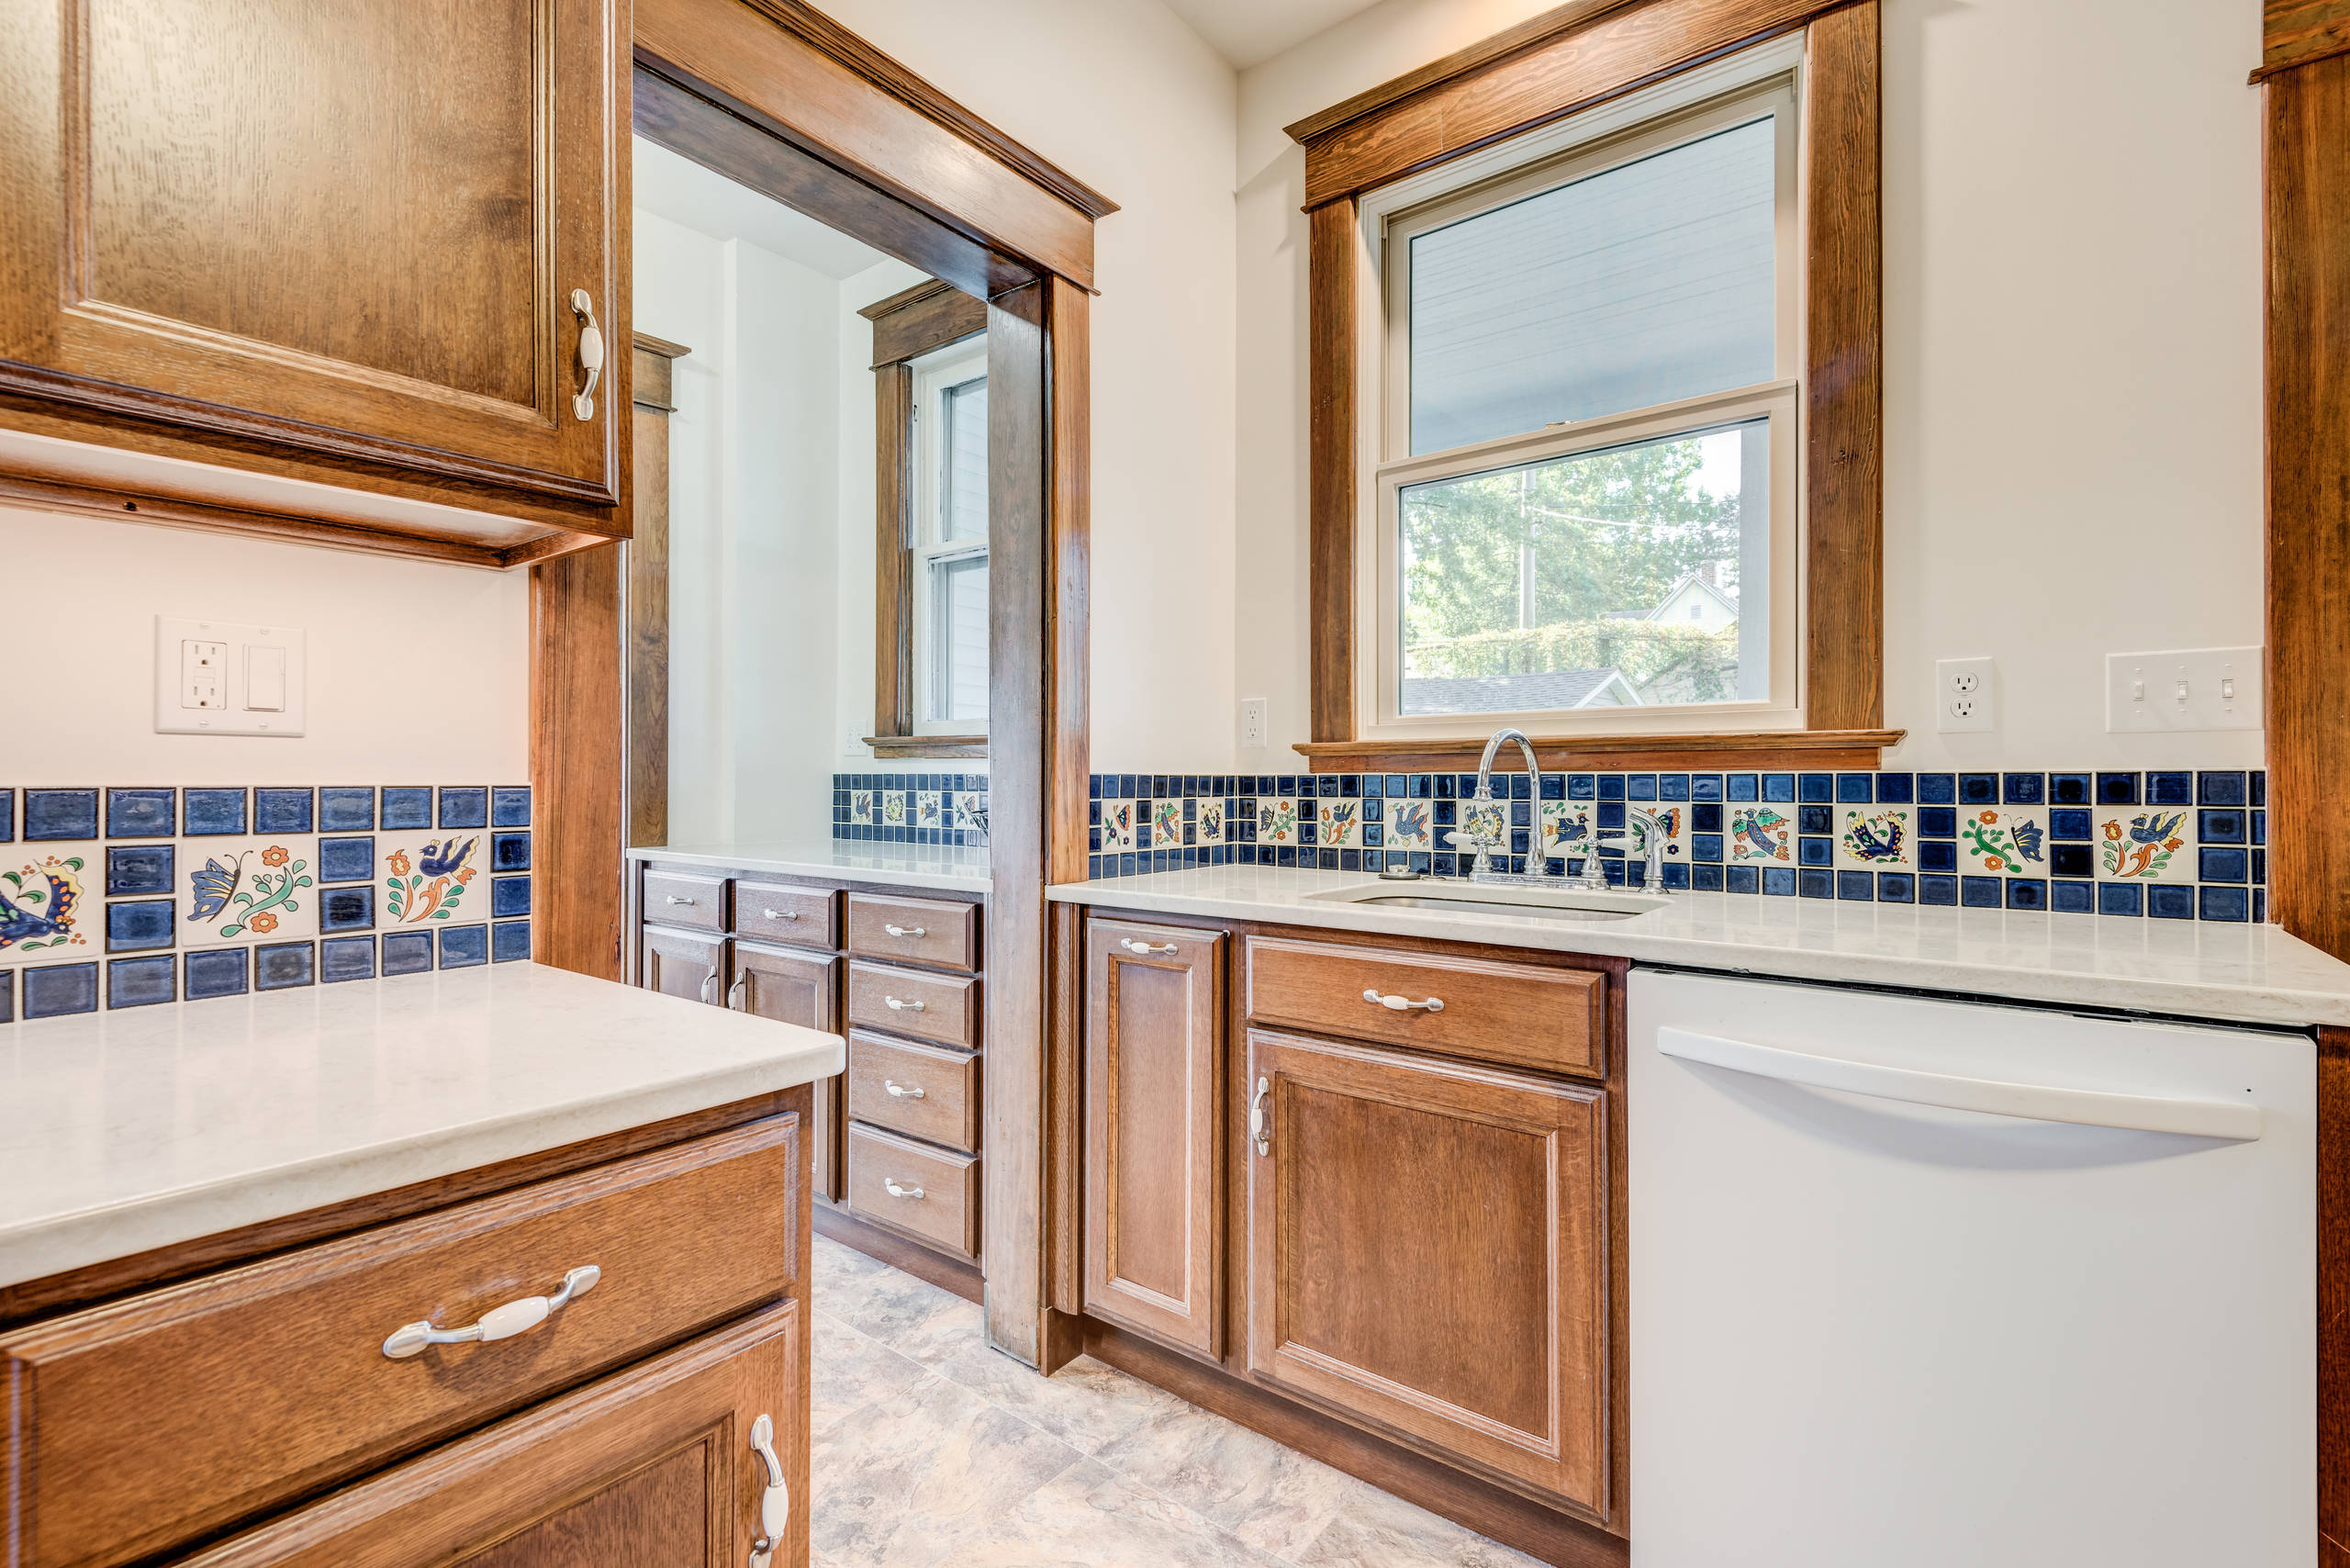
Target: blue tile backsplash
point(131, 895)
point(911, 807)
point(2170, 845)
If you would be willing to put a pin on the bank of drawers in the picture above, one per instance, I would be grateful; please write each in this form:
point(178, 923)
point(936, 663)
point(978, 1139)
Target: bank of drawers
point(897, 1136)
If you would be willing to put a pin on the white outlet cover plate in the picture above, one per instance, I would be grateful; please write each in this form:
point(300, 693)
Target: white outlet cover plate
point(1982, 702)
point(234, 718)
point(2222, 690)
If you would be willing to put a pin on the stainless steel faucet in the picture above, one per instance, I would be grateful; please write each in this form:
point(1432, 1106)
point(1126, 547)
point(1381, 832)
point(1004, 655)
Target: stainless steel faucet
point(1467, 835)
point(1652, 837)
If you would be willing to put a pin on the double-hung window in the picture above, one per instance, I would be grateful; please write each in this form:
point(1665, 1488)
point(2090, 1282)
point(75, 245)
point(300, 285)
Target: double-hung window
point(1582, 497)
point(948, 523)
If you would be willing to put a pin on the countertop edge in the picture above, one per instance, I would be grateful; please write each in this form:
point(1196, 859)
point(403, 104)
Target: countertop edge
point(799, 866)
point(2276, 1006)
point(61, 1243)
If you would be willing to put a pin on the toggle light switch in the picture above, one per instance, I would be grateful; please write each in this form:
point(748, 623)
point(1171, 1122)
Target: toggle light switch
point(2208, 689)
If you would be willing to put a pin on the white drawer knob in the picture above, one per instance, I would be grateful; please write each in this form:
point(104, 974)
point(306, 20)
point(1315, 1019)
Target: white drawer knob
point(498, 1323)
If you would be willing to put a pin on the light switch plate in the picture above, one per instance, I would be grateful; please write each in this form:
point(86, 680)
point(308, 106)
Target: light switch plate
point(227, 678)
point(2184, 689)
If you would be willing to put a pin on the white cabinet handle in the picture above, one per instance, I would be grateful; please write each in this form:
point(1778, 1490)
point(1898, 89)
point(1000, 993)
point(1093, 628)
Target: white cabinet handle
point(895, 1191)
point(775, 1502)
point(779, 914)
point(708, 981)
point(1132, 946)
point(499, 1322)
point(897, 1006)
point(2033, 1101)
point(1259, 1128)
point(1405, 1004)
point(904, 930)
point(673, 898)
point(899, 1091)
point(734, 997)
point(591, 353)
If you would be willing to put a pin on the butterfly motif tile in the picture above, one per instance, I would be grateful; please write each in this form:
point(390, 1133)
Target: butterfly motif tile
point(428, 881)
point(53, 901)
point(1118, 825)
point(1277, 818)
point(2008, 841)
point(1674, 820)
point(245, 890)
point(1210, 822)
point(1876, 838)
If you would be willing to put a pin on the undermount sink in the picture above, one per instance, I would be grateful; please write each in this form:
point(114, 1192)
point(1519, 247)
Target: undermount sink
point(1562, 902)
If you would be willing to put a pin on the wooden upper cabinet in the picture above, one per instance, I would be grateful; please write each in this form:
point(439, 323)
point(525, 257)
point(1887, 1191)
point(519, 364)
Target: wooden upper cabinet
point(1427, 1251)
point(350, 231)
point(1154, 1181)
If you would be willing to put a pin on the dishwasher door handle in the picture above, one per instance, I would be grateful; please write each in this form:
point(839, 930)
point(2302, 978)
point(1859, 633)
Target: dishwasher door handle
point(2033, 1101)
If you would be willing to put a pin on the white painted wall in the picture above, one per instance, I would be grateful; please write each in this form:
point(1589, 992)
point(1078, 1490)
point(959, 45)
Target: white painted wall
point(754, 467)
point(2073, 348)
point(1129, 100)
point(418, 670)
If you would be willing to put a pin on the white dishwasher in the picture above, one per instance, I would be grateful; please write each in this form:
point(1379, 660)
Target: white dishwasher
point(1920, 1284)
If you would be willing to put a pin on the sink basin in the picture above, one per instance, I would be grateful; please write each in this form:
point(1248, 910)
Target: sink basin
point(1470, 898)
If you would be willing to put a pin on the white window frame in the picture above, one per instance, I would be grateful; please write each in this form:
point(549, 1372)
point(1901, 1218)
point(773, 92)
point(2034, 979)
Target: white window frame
point(1766, 78)
point(936, 374)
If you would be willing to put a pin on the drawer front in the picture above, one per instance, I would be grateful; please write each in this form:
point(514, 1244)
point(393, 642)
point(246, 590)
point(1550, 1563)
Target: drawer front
point(683, 963)
point(145, 1423)
point(906, 1001)
point(675, 898)
point(783, 912)
point(936, 932)
point(923, 1091)
point(1525, 1015)
point(937, 1192)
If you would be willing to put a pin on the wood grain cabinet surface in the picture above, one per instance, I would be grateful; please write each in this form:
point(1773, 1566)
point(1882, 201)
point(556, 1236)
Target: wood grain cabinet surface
point(683, 964)
point(795, 987)
point(146, 1423)
point(939, 933)
point(246, 230)
point(1153, 1171)
point(944, 1009)
point(926, 1091)
point(929, 1193)
point(1426, 1249)
point(651, 1468)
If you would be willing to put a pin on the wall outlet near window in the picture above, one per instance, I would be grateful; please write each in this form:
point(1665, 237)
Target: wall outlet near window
point(1252, 723)
point(1963, 695)
point(2186, 689)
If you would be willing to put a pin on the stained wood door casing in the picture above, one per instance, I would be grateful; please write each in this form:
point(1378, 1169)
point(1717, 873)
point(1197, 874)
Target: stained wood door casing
point(1153, 1166)
point(651, 1468)
point(352, 232)
point(1427, 1251)
point(803, 989)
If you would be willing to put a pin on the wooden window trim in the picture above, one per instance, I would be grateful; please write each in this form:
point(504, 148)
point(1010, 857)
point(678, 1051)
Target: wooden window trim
point(1569, 58)
point(906, 326)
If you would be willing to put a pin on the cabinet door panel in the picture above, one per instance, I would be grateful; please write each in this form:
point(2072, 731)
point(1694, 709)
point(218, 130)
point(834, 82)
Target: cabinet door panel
point(803, 989)
point(678, 963)
point(1426, 1250)
point(351, 229)
point(651, 1467)
point(1153, 1192)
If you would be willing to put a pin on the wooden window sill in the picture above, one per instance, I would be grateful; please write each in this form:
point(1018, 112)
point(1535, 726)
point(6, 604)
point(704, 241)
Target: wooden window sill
point(927, 745)
point(1614, 754)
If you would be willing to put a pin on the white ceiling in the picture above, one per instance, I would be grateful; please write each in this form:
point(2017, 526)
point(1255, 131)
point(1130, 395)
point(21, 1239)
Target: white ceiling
point(684, 192)
point(1248, 31)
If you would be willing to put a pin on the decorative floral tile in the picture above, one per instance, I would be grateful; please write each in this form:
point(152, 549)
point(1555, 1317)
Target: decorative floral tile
point(1876, 838)
point(50, 900)
point(1339, 824)
point(860, 808)
point(1210, 822)
point(971, 810)
point(1277, 818)
point(893, 808)
point(2146, 843)
point(1759, 835)
point(1167, 824)
point(1566, 829)
point(2009, 841)
point(430, 880)
point(238, 889)
point(1118, 825)
point(1410, 825)
point(1675, 822)
point(1490, 818)
point(929, 809)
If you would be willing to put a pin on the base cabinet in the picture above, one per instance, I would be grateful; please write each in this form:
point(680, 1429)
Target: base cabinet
point(1426, 1249)
point(797, 988)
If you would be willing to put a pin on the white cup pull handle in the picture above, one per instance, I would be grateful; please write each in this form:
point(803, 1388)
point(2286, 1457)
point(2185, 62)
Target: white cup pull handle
point(498, 1322)
point(591, 353)
point(779, 914)
point(904, 930)
point(897, 1006)
point(774, 1501)
point(1132, 946)
point(899, 1091)
point(1405, 1004)
point(890, 1185)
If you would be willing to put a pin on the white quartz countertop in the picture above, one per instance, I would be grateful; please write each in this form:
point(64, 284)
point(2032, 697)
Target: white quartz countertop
point(948, 867)
point(2195, 968)
point(140, 1127)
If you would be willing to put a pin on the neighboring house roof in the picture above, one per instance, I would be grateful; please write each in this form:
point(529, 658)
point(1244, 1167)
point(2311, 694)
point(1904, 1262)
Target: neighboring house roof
point(1690, 582)
point(1548, 690)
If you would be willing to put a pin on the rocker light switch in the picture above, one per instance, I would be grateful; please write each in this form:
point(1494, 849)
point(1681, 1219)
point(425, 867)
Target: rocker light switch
point(224, 677)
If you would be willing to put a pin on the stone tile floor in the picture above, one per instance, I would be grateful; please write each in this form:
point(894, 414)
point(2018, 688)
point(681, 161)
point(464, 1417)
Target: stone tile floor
point(930, 1447)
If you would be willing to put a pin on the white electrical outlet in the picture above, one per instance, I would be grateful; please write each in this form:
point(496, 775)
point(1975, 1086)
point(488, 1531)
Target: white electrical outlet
point(224, 677)
point(1965, 698)
point(1252, 723)
point(2190, 688)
